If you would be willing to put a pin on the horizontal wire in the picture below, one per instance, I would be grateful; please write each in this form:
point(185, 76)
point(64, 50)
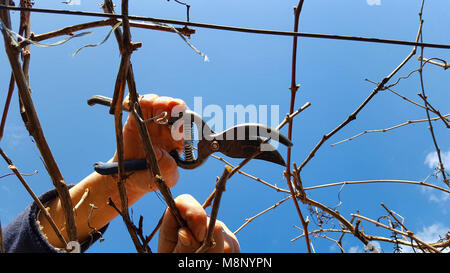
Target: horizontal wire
point(231, 28)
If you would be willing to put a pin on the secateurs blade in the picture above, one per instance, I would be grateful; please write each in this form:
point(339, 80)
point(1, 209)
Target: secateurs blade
point(240, 141)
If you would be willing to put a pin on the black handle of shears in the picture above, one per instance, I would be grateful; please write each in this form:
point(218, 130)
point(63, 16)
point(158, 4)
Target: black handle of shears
point(112, 167)
point(141, 164)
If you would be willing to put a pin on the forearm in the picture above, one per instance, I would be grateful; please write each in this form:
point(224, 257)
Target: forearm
point(100, 189)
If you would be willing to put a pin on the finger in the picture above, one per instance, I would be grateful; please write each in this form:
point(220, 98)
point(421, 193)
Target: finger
point(172, 107)
point(231, 243)
point(132, 139)
point(168, 167)
point(168, 233)
point(146, 102)
point(186, 242)
point(195, 217)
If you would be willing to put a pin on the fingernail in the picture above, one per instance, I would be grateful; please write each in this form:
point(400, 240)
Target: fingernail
point(184, 237)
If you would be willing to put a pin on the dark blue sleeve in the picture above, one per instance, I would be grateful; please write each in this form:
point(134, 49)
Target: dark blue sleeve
point(22, 235)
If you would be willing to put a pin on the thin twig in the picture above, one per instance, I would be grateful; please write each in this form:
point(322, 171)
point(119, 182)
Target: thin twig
point(398, 94)
point(140, 232)
point(432, 109)
point(250, 176)
point(94, 230)
point(317, 233)
point(389, 129)
point(155, 230)
point(343, 233)
point(294, 87)
point(220, 188)
point(83, 198)
point(423, 63)
point(23, 174)
point(248, 220)
point(7, 103)
point(142, 247)
point(210, 198)
point(444, 64)
point(291, 116)
point(420, 183)
point(129, 224)
point(69, 30)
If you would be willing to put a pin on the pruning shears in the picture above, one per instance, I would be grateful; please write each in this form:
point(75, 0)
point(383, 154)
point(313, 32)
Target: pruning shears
point(240, 141)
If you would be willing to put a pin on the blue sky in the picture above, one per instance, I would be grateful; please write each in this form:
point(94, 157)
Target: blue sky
point(252, 69)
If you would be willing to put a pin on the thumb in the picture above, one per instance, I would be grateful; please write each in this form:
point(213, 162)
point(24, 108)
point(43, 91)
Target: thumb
point(186, 242)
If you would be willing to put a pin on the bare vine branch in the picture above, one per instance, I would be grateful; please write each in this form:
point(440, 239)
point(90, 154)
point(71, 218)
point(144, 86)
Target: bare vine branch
point(247, 221)
point(424, 97)
point(220, 188)
point(294, 87)
point(389, 129)
point(34, 127)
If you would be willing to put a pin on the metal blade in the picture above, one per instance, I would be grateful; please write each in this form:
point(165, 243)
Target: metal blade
point(246, 148)
point(272, 156)
point(251, 131)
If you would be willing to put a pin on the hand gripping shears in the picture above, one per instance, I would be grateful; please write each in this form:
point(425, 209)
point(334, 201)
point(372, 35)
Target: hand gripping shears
point(240, 141)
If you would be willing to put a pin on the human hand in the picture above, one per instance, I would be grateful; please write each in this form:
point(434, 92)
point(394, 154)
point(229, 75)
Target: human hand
point(173, 239)
point(162, 141)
